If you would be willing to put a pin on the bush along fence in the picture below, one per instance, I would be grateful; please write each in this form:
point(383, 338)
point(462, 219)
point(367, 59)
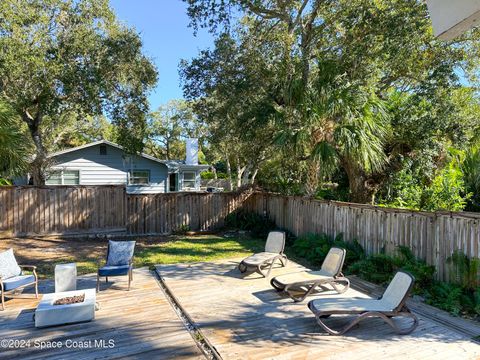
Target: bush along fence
point(46, 210)
point(433, 237)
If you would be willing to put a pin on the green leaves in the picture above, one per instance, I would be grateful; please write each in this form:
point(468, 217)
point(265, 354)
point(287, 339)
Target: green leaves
point(315, 247)
point(169, 126)
point(471, 175)
point(13, 145)
point(346, 87)
point(73, 57)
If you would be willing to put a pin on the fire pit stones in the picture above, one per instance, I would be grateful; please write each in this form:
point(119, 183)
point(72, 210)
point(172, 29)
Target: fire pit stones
point(48, 314)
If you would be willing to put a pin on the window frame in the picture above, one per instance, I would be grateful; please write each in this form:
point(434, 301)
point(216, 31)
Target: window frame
point(194, 180)
point(131, 177)
point(62, 177)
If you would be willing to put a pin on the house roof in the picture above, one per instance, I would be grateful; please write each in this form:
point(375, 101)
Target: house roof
point(171, 164)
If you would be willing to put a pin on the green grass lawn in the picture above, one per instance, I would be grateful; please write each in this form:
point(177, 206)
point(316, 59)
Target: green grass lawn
point(196, 250)
point(150, 252)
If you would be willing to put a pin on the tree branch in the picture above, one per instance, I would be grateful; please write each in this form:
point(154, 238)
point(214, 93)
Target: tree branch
point(266, 13)
point(300, 12)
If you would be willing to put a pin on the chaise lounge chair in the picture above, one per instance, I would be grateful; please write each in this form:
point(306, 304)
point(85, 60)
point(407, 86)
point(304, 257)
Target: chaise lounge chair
point(119, 261)
point(302, 284)
point(390, 304)
point(12, 277)
point(273, 251)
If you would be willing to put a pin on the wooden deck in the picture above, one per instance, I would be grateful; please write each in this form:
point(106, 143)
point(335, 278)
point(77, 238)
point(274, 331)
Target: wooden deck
point(244, 318)
point(141, 323)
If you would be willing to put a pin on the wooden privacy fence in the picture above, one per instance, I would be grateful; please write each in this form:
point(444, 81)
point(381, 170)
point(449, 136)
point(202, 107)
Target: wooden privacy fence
point(166, 213)
point(30, 210)
point(61, 209)
point(431, 236)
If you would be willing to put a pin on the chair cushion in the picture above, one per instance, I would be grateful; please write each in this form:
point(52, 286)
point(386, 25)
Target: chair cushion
point(275, 242)
point(333, 262)
point(348, 305)
point(259, 258)
point(16, 281)
point(302, 277)
point(113, 270)
point(120, 252)
point(398, 289)
point(8, 265)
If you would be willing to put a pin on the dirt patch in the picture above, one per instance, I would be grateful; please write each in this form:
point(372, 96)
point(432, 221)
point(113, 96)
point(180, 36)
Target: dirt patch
point(45, 252)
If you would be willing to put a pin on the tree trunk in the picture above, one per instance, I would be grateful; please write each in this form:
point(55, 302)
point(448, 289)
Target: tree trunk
point(311, 184)
point(38, 163)
point(229, 173)
point(246, 175)
point(240, 171)
point(360, 192)
point(254, 175)
point(167, 149)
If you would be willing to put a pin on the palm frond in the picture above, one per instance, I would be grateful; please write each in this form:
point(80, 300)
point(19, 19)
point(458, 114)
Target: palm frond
point(13, 148)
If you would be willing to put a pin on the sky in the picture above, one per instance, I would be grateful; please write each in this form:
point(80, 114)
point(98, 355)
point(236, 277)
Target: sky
point(163, 26)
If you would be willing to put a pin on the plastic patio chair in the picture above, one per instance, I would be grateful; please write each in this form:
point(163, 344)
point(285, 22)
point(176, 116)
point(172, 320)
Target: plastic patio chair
point(263, 262)
point(302, 284)
point(391, 304)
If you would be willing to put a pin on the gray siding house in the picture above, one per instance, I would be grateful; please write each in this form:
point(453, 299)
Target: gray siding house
point(105, 163)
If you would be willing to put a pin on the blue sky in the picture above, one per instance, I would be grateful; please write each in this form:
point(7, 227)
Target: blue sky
point(163, 26)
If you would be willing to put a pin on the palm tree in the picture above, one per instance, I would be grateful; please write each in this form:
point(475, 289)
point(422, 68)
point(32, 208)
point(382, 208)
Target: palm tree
point(13, 145)
point(338, 125)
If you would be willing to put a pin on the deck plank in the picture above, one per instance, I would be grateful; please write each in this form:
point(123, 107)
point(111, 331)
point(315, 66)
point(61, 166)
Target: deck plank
point(141, 322)
point(243, 317)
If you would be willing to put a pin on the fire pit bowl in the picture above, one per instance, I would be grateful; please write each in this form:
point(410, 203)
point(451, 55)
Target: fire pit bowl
point(50, 314)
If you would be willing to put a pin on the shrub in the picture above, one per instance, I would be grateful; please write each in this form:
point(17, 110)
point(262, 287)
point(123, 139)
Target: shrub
point(377, 268)
point(476, 296)
point(422, 272)
point(466, 270)
point(445, 296)
point(5, 182)
point(380, 268)
point(207, 175)
point(182, 230)
point(459, 299)
point(241, 219)
point(314, 248)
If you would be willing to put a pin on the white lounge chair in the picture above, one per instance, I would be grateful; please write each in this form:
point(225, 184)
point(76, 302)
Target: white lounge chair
point(302, 284)
point(391, 304)
point(273, 251)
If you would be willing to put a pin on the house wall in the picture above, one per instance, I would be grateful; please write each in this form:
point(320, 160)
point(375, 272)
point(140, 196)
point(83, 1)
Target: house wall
point(112, 168)
point(452, 18)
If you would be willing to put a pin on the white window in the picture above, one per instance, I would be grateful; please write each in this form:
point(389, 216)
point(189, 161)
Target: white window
point(139, 177)
point(189, 179)
point(63, 177)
